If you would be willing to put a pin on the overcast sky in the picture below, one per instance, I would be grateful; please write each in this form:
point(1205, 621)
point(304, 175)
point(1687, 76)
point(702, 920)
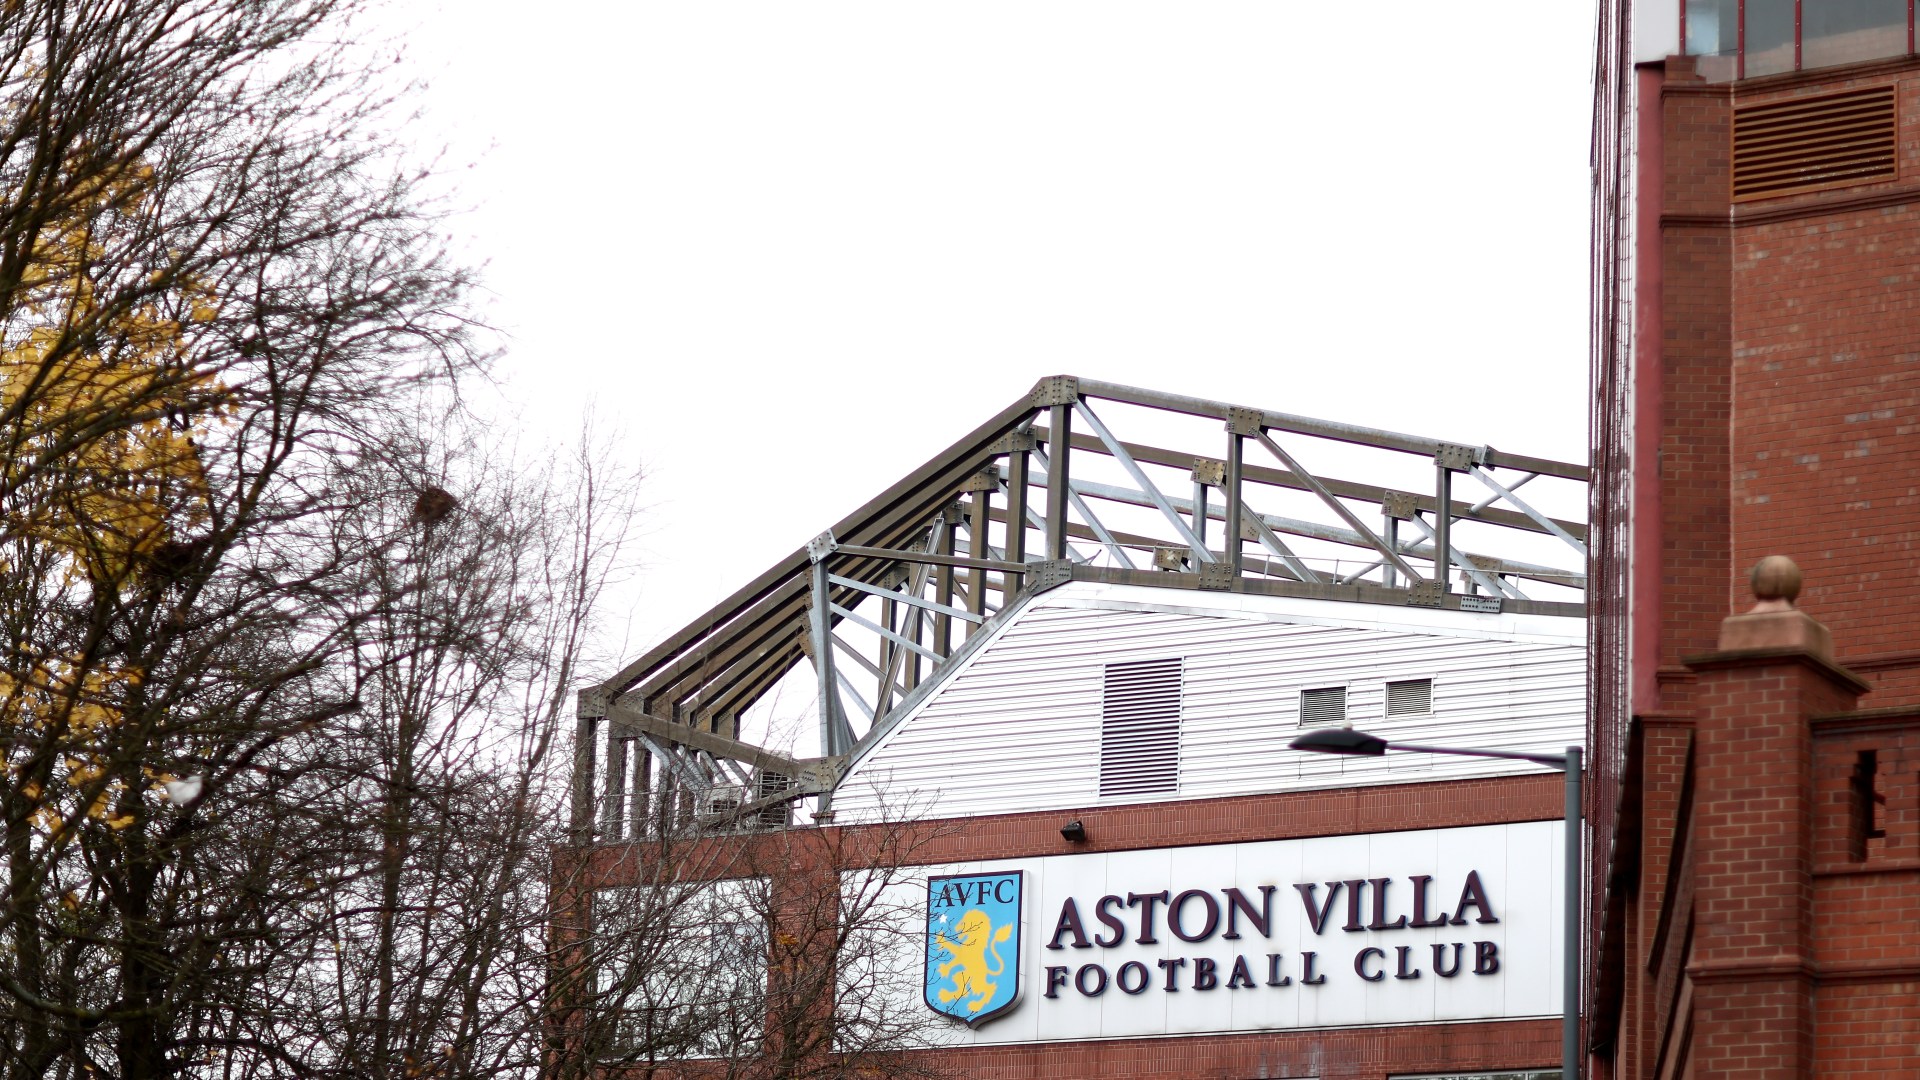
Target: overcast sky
point(792, 249)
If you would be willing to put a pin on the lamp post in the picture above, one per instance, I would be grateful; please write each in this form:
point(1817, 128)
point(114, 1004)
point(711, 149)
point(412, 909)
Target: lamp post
point(1359, 743)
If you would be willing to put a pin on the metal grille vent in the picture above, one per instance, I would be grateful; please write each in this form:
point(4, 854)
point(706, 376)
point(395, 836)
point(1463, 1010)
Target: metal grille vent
point(1410, 697)
point(778, 815)
point(1324, 707)
point(1140, 728)
point(1810, 144)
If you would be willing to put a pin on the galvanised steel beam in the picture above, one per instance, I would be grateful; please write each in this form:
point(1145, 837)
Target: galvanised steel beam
point(1236, 468)
point(1456, 557)
point(1544, 521)
point(1093, 524)
point(664, 730)
point(1058, 488)
point(1338, 507)
point(1039, 522)
point(688, 776)
point(1146, 485)
point(896, 596)
point(898, 639)
point(969, 453)
point(1324, 429)
point(1363, 592)
point(1272, 542)
point(870, 668)
point(1346, 489)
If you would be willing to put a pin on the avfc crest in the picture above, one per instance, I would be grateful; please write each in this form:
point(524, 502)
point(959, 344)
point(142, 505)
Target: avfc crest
point(973, 945)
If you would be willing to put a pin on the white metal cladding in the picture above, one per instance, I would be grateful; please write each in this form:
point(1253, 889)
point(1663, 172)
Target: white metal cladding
point(1017, 728)
point(1140, 728)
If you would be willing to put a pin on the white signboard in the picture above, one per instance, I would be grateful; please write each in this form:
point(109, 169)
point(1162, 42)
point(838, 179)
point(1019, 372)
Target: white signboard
point(1391, 928)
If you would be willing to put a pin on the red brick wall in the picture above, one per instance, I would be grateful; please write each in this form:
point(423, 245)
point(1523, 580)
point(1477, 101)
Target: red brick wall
point(1826, 369)
point(1358, 1054)
point(1790, 380)
point(1286, 816)
point(1696, 569)
point(1764, 933)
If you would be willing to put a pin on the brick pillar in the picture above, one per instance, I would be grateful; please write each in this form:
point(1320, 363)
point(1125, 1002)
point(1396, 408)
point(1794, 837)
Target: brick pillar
point(1751, 963)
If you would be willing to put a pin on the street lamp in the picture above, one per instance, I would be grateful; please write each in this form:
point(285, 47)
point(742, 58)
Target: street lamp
point(1361, 744)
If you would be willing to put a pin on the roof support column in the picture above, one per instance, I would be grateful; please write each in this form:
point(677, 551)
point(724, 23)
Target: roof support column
point(832, 723)
point(1017, 497)
point(588, 721)
point(1060, 436)
point(1236, 460)
point(980, 513)
point(943, 587)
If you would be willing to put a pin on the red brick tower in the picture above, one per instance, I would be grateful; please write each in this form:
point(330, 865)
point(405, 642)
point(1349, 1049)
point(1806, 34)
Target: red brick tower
point(1757, 383)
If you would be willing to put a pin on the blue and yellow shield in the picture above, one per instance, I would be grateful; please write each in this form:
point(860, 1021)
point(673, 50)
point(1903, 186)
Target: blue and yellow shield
point(973, 945)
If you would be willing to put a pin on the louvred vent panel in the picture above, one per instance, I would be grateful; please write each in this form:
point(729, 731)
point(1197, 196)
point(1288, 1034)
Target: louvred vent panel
point(1325, 707)
point(1410, 698)
point(1811, 144)
point(1140, 729)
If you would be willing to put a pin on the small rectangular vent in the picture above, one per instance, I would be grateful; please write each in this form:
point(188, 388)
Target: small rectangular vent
point(1324, 707)
point(1140, 728)
point(1410, 698)
point(778, 815)
point(1811, 144)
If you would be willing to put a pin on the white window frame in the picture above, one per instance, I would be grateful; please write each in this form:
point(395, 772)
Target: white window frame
point(1345, 686)
point(1433, 701)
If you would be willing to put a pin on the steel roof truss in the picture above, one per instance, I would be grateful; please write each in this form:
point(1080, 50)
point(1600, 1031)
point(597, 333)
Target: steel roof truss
point(1544, 521)
point(1119, 453)
point(1088, 516)
point(1338, 507)
point(1493, 583)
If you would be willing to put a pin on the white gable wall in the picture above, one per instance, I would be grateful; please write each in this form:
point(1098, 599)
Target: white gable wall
point(1016, 727)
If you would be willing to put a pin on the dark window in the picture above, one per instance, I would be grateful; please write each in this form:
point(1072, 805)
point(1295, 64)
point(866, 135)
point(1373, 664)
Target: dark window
point(1746, 38)
point(1843, 31)
point(1864, 786)
point(1769, 37)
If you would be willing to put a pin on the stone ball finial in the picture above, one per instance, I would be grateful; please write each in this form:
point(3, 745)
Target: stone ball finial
point(1776, 583)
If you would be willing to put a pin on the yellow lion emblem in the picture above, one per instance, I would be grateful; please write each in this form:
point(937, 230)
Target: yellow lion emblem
point(976, 956)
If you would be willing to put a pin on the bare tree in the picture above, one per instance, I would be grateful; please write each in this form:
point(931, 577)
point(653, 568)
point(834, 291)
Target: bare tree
point(762, 955)
point(425, 956)
point(285, 655)
point(218, 294)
